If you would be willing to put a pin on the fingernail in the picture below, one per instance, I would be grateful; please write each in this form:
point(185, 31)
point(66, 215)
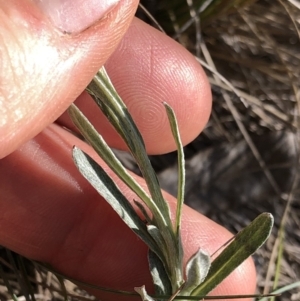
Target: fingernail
point(73, 16)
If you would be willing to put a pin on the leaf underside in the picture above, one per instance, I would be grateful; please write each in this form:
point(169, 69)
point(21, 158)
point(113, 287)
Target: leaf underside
point(105, 186)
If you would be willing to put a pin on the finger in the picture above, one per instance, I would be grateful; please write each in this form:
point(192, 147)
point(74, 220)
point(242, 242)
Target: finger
point(49, 213)
point(149, 68)
point(43, 69)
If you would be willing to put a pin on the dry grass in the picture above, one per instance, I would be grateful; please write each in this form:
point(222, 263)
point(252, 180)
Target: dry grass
point(247, 159)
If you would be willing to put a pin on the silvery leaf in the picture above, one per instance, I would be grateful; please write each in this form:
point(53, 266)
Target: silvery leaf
point(160, 278)
point(105, 152)
point(99, 179)
point(196, 270)
point(245, 244)
point(117, 113)
point(181, 167)
point(144, 211)
point(171, 262)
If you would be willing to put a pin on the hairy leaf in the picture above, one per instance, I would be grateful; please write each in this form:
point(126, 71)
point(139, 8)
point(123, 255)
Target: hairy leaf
point(104, 151)
point(108, 100)
point(245, 244)
point(99, 179)
point(160, 278)
point(196, 271)
point(181, 167)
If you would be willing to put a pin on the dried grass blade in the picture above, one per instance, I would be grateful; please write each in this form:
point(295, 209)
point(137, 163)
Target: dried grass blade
point(7, 284)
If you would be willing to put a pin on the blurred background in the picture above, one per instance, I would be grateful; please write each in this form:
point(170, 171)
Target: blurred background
point(246, 161)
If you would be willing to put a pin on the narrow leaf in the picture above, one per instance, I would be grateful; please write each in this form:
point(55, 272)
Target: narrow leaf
point(283, 289)
point(98, 178)
point(196, 271)
point(245, 244)
point(164, 248)
point(181, 183)
point(156, 235)
point(144, 211)
point(172, 262)
point(181, 167)
point(100, 146)
point(104, 151)
point(164, 297)
point(160, 278)
point(108, 100)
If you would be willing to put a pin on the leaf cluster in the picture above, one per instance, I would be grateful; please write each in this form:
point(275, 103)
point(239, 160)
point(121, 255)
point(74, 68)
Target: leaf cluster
point(160, 233)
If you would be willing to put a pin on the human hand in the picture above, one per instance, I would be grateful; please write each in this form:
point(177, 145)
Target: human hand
point(48, 212)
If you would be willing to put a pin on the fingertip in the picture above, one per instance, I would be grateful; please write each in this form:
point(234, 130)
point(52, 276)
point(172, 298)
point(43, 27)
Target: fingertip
point(164, 71)
point(77, 232)
point(199, 231)
point(44, 70)
point(147, 69)
point(242, 281)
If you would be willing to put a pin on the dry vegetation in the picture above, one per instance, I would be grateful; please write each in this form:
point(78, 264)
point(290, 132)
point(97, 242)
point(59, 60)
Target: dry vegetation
point(247, 159)
point(239, 170)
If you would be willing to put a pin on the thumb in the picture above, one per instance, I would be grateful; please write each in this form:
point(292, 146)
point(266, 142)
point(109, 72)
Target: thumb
point(50, 50)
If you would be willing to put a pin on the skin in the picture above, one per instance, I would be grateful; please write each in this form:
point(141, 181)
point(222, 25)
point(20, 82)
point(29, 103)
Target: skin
point(48, 212)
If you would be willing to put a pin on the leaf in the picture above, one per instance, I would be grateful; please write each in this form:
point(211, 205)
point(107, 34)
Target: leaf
point(144, 211)
point(164, 247)
point(181, 184)
point(104, 151)
point(108, 100)
point(196, 271)
point(157, 237)
point(171, 261)
point(98, 178)
point(181, 167)
point(100, 146)
point(116, 111)
point(245, 244)
point(283, 289)
point(160, 278)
